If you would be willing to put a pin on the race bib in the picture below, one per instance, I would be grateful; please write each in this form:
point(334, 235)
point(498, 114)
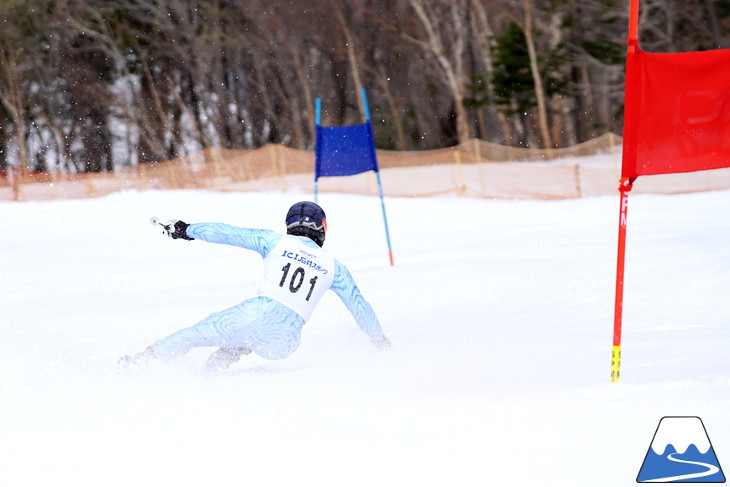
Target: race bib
point(297, 275)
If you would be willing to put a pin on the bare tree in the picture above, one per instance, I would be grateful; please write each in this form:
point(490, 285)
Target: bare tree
point(13, 98)
point(524, 16)
point(446, 42)
point(483, 45)
point(92, 84)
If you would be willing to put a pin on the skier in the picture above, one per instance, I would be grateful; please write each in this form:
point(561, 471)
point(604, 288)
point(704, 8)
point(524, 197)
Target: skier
point(297, 273)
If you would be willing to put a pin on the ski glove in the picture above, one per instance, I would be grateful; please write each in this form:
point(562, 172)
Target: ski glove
point(176, 229)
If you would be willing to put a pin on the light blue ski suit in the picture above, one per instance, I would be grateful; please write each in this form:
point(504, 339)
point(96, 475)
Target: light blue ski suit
point(263, 324)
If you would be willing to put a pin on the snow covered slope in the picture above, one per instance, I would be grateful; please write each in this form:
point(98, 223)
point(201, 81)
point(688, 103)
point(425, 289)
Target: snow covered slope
point(500, 314)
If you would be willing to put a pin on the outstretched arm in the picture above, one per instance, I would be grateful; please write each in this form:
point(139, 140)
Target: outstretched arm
point(344, 286)
point(261, 241)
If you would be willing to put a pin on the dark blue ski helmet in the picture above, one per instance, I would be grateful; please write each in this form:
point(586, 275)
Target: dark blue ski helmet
point(307, 219)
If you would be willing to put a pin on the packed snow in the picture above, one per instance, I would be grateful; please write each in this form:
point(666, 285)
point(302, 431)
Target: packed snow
point(500, 313)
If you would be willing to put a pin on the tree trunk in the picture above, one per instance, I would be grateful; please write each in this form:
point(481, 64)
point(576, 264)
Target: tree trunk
point(717, 42)
point(351, 58)
point(454, 76)
point(13, 101)
point(395, 110)
point(535, 70)
point(485, 50)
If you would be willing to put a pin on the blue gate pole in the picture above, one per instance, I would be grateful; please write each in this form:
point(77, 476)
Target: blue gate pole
point(317, 113)
point(377, 172)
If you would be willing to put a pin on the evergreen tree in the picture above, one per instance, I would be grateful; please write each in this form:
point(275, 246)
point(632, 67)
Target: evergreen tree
point(512, 80)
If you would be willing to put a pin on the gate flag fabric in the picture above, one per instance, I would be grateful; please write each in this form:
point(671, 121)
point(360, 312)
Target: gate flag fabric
point(681, 112)
point(676, 120)
point(344, 151)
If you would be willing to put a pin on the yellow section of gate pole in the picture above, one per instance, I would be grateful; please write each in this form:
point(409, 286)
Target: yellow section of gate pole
point(615, 363)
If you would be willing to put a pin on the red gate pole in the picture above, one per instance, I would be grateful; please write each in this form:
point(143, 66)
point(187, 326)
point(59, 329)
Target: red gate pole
point(624, 188)
point(633, 23)
point(631, 115)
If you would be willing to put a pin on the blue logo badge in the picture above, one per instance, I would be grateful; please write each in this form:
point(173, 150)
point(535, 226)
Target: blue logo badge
point(681, 452)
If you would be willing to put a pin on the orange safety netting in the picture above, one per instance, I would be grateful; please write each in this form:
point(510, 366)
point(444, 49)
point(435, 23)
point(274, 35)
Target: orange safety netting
point(475, 168)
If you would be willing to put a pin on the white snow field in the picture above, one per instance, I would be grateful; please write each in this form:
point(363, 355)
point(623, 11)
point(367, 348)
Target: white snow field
point(501, 318)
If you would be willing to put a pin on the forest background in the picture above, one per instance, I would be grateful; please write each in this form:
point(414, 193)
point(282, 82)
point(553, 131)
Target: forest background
point(96, 85)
